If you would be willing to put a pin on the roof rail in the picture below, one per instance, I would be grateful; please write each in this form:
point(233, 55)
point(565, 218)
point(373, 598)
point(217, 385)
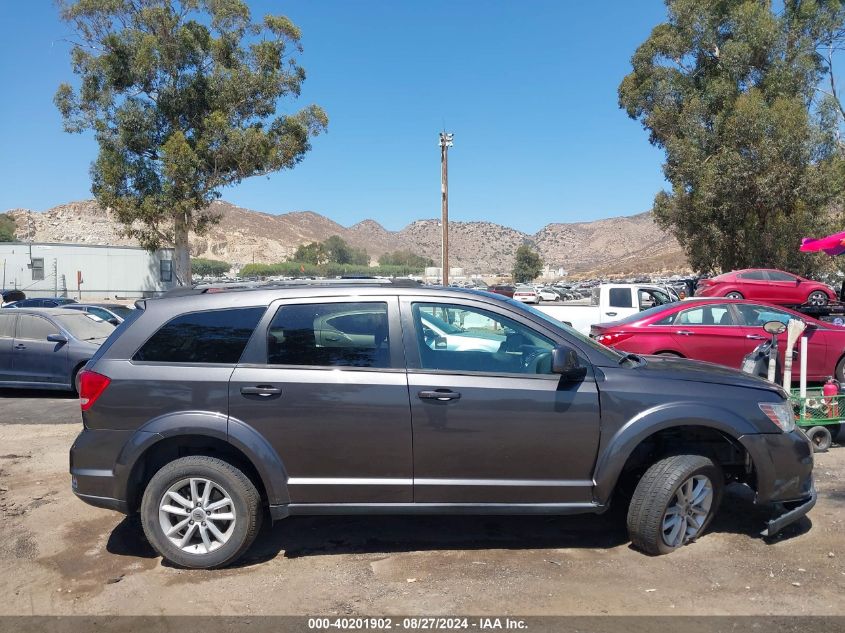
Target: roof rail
point(209, 288)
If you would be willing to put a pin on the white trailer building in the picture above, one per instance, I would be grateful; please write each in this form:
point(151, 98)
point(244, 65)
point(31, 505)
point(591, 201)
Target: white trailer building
point(84, 271)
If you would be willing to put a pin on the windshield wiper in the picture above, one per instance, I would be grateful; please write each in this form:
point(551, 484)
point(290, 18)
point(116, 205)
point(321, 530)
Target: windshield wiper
point(632, 357)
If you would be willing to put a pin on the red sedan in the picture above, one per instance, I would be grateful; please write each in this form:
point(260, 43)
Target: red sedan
point(722, 331)
point(771, 286)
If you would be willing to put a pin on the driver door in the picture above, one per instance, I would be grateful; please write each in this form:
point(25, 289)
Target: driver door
point(491, 423)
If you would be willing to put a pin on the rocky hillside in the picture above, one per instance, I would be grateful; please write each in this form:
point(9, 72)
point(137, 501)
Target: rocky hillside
point(621, 245)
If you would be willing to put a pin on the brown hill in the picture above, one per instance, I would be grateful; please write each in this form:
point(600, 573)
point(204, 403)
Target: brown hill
point(621, 245)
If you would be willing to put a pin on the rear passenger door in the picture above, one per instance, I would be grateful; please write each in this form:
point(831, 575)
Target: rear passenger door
point(35, 358)
point(709, 332)
point(324, 381)
point(7, 337)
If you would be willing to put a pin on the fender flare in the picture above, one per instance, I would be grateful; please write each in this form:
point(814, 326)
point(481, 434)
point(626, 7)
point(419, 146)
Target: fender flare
point(645, 424)
point(244, 438)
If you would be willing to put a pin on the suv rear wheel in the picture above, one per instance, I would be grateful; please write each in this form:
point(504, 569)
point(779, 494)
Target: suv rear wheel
point(200, 512)
point(674, 503)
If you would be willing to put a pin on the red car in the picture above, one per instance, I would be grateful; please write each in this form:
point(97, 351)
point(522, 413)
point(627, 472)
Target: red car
point(723, 331)
point(771, 286)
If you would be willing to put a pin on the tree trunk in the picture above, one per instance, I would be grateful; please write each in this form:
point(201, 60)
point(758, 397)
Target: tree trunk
point(181, 251)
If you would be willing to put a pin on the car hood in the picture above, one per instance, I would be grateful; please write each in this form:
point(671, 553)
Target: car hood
point(671, 368)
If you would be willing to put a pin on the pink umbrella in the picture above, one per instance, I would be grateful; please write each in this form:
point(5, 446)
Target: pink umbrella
point(832, 244)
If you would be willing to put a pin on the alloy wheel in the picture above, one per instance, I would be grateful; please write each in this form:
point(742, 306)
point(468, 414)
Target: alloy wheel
point(688, 511)
point(197, 515)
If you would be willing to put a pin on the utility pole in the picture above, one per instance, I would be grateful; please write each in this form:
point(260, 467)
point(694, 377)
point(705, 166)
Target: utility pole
point(445, 144)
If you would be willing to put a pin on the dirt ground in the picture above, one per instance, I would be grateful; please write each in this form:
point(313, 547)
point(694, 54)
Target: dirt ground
point(59, 556)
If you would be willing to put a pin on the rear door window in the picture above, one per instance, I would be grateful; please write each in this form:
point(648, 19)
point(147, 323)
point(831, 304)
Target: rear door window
point(706, 315)
point(753, 275)
point(621, 298)
point(7, 325)
point(34, 328)
point(212, 336)
point(345, 334)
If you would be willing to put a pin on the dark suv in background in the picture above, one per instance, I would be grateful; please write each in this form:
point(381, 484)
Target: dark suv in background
point(202, 411)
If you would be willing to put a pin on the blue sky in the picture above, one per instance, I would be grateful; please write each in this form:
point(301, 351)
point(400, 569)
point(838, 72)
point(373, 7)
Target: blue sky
point(528, 88)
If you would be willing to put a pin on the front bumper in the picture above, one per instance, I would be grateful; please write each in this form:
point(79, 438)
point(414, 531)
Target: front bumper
point(783, 475)
point(793, 512)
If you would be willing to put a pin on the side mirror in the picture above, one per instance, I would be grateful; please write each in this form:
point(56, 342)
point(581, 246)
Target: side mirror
point(565, 362)
point(57, 338)
point(774, 327)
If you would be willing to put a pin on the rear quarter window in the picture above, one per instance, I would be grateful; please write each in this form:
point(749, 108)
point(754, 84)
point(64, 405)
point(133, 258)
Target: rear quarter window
point(211, 336)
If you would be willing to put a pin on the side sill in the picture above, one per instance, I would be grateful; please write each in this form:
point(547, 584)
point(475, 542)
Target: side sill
point(304, 509)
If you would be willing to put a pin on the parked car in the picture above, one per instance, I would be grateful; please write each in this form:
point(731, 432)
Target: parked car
point(526, 294)
point(41, 302)
point(45, 348)
point(609, 302)
point(771, 286)
point(11, 296)
point(548, 294)
point(210, 409)
point(723, 331)
point(500, 289)
point(114, 313)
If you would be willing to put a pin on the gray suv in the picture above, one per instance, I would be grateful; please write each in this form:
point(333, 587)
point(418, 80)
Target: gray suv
point(207, 411)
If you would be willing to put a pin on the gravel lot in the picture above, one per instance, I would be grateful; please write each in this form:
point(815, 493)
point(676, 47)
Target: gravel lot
point(60, 556)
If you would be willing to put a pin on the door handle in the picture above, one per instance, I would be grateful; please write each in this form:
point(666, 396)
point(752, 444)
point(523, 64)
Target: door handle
point(443, 395)
point(610, 313)
point(261, 390)
point(755, 337)
point(684, 332)
point(20, 346)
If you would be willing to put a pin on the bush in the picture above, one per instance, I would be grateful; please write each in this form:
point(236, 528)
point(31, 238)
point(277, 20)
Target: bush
point(209, 267)
point(7, 228)
point(303, 269)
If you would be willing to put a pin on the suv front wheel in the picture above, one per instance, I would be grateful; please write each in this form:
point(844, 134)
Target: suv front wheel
point(200, 512)
point(674, 503)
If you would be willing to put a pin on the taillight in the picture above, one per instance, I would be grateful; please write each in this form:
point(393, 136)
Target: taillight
point(91, 386)
point(614, 338)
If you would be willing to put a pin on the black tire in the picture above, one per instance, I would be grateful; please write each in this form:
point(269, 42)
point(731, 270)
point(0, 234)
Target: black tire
point(820, 437)
point(73, 386)
point(818, 298)
point(734, 295)
point(246, 504)
point(669, 354)
point(655, 492)
point(839, 372)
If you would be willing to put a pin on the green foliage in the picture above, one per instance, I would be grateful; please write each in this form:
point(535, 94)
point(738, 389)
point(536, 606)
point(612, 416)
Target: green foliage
point(334, 250)
point(339, 252)
point(209, 267)
point(300, 269)
point(405, 258)
point(312, 253)
point(726, 90)
point(527, 266)
point(182, 100)
point(7, 228)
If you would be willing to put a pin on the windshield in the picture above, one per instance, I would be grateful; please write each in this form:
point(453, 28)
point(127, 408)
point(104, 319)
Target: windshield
point(85, 327)
point(121, 311)
point(584, 340)
point(647, 313)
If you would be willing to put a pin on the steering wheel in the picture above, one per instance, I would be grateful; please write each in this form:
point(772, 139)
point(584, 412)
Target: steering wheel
point(533, 361)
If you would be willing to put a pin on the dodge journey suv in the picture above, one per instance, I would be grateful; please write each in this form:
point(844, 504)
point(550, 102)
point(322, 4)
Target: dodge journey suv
point(209, 410)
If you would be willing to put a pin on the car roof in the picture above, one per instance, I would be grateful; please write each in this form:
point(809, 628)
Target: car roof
point(41, 311)
point(193, 300)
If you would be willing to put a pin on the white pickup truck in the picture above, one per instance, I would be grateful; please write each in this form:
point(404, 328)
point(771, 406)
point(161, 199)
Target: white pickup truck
point(609, 302)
